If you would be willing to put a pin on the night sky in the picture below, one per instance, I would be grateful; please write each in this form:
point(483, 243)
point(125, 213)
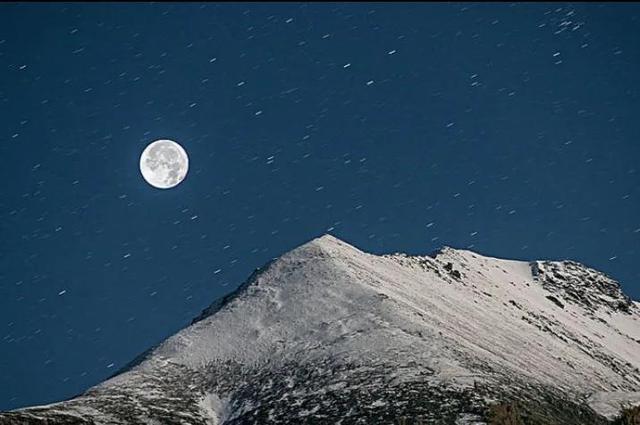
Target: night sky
point(509, 129)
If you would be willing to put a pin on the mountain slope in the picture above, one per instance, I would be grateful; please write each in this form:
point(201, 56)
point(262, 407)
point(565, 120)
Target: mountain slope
point(330, 334)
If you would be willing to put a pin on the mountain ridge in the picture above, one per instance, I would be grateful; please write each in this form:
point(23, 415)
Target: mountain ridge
point(357, 335)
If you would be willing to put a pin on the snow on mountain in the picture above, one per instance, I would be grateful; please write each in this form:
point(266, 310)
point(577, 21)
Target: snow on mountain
point(330, 334)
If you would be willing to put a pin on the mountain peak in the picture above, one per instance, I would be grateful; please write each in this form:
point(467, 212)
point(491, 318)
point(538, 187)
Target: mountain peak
point(371, 337)
point(327, 243)
point(327, 239)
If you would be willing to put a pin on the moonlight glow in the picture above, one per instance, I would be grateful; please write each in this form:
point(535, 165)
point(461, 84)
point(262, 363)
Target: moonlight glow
point(164, 164)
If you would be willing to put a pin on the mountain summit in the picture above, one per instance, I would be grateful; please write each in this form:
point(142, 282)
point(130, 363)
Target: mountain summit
point(328, 334)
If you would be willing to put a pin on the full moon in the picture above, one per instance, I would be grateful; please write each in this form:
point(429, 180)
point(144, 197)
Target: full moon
point(164, 164)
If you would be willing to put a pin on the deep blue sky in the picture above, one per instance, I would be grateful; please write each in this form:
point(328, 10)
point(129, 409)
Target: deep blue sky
point(512, 129)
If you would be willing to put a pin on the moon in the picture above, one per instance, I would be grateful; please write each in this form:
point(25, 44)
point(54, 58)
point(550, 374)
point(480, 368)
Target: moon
point(164, 164)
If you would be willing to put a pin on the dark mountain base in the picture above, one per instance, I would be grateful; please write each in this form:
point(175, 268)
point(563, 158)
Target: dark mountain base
point(322, 393)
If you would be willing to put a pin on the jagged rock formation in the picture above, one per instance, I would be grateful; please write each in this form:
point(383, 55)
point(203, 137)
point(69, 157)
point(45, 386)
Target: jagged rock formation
point(330, 334)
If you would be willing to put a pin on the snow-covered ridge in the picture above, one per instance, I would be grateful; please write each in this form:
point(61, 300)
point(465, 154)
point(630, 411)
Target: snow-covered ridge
point(454, 321)
point(488, 311)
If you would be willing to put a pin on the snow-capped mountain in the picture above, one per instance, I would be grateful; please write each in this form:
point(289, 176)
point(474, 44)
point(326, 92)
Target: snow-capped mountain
point(330, 334)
